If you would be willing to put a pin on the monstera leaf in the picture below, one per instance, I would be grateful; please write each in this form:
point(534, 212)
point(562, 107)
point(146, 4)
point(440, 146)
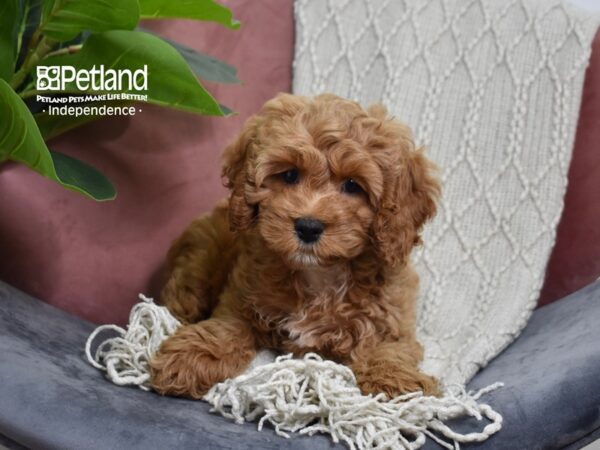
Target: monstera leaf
point(21, 141)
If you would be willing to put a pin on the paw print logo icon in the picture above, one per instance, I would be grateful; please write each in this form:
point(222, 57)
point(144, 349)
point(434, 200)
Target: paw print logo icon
point(48, 78)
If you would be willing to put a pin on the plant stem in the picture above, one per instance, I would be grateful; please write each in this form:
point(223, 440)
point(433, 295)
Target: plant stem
point(66, 50)
point(32, 59)
point(30, 93)
point(22, 27)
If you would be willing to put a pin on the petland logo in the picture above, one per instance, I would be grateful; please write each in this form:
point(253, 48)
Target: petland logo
point(96, 79)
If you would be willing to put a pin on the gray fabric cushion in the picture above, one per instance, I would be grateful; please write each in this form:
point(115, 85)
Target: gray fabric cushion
point(51, 398)
point(551, 397)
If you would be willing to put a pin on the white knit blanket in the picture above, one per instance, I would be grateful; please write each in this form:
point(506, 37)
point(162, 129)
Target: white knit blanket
point(492, 88)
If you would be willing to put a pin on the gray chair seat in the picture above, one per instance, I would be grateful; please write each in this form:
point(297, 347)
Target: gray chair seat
point(50, 398)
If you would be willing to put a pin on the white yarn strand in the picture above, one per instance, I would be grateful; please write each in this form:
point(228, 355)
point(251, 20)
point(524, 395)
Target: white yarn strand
point(293, 393)
point(125, 358)
point(307, 396)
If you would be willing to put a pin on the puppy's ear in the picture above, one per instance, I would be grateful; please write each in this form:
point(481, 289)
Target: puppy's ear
point(409, 200)
point(236, 167)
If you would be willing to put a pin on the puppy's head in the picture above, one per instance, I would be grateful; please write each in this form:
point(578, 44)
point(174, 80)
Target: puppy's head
point(322, 180)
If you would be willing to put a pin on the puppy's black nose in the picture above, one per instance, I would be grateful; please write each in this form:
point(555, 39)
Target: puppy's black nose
point(308, 230)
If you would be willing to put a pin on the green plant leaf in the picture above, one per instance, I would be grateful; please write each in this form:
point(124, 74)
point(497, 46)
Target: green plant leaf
point(30, 19)
point(21, 141)
point(64, 19)
point(9, 27)
point(208, 10)
point(171, 82)
point(82, 177)
point(226, 111)
point(206, 67)
point(23, 27)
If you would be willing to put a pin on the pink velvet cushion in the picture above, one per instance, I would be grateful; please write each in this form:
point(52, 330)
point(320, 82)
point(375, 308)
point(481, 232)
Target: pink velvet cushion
point(93, 259)
point(575, 260)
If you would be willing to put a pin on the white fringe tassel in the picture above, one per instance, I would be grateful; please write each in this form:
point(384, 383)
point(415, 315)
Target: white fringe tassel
point(308, 395)
point(125, 358)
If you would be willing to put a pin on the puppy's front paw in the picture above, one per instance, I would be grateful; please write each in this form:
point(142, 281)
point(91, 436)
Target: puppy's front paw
point(182, 373)
point(394, 387)
point(198, 356)
point(393, 378)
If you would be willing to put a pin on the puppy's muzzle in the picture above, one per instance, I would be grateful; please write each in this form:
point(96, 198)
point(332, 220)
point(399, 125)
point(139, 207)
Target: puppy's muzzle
point(308, 230)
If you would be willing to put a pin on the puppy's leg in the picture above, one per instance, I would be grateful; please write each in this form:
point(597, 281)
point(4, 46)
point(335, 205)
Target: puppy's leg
point(197, 267)
point(197, 356)
point(393, 368)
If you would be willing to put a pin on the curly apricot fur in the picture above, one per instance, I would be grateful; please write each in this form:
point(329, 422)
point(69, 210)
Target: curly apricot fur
point(241, 280)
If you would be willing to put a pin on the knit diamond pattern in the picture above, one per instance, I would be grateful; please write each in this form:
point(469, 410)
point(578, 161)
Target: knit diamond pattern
point(492, 89)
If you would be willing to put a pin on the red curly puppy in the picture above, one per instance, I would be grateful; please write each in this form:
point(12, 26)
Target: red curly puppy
point(309, 254)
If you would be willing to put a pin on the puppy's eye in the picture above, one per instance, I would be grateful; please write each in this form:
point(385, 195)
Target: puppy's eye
point(351, 187)
point(290, 176)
